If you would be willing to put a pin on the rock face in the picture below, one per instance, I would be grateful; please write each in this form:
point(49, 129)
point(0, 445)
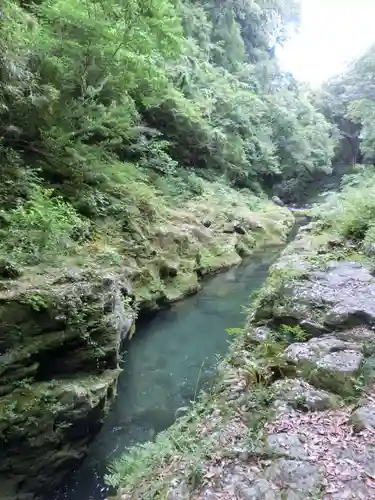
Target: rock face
point(207, 235)
point(300, 395)
point(59, 348)
point(331, 363)
point(364, 417)
point(341, 297)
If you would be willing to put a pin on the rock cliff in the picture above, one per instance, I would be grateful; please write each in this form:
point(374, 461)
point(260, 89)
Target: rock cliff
point(60, 338)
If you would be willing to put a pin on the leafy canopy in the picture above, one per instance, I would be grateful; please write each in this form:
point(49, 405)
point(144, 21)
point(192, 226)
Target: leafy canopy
point(169, 87)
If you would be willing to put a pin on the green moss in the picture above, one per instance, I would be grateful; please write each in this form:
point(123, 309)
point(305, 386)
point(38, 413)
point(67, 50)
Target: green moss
point(181, 286)
point(271, 294)
point(214, 259)
point(245, 245)
point(45, 400)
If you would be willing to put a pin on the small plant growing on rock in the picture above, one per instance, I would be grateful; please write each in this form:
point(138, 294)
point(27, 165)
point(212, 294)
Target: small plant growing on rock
point(24, 383)
point(295, 333)
point(266, 362)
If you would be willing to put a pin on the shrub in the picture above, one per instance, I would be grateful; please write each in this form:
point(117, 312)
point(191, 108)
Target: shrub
point(40, 229)
point(351, 212)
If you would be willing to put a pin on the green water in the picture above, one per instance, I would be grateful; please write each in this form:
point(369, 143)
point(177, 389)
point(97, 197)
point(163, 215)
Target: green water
point(171, 356)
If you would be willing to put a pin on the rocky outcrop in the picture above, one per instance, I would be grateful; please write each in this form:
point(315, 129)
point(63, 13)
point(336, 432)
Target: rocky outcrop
point(294, 414)
point(207, 235)
point(60, 337)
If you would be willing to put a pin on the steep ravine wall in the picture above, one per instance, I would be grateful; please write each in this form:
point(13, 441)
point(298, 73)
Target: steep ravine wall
point(61, 334)
point(60, 338)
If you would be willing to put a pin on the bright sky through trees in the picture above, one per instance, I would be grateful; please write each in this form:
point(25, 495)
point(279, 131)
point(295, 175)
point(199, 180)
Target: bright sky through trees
point(332, 32)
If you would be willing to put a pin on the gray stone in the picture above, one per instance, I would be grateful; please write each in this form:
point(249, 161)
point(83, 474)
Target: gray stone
point(258, 334)
point(287, 445)
point(344, 315)
point(260, 490)
point(228, 229)
point(363, 417)
point(243, 456)
point(336, 371)
point(342, 297)
point(301, 395)
point(278, 201)
point(300, 352)
point(313, 350)
point(354, 489)
point(298, 476)
point(369, 249)
point(313, 328)
point(308, 228)
point(329, 343)
point(239, 229)
point(362, 456)
point(358, 335)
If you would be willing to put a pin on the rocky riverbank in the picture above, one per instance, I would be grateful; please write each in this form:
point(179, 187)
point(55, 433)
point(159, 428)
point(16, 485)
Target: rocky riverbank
point(60, 341)
point(292, 415)
point(208, 234)
point(62, 328)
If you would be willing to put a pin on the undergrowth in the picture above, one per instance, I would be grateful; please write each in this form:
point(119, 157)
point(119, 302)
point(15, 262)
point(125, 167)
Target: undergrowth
point(143, 468)
point(39, 229)
point(351, 211)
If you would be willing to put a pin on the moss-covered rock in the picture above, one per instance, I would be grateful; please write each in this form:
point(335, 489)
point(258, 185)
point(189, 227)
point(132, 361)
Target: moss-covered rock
point(303, 287)
point(60, 337)
point(180, 247)
point(300, 395)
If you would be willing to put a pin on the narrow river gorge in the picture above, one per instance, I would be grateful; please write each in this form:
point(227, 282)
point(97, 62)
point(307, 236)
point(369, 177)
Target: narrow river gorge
point(171, 357)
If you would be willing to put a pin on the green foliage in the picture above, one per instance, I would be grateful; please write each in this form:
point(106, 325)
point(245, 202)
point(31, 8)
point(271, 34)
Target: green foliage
point(123, 107)
point(44, 227)
point(349, 100)
point(351, 212)
point(265, 362)
point(135, 469)
point(294, 333)
point(362, 112)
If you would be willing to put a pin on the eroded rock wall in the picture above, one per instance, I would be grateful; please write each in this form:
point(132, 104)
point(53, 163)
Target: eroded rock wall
point(60, 338)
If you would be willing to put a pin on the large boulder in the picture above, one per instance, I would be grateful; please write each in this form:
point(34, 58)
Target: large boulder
point(342, 296)
point(364, 417)
point(300, 395)
point(329, 363)
point(60, 338)
point(278, 201)
point(296, 478)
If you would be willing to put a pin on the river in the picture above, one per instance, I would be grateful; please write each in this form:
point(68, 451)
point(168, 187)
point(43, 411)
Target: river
point(171, 357)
